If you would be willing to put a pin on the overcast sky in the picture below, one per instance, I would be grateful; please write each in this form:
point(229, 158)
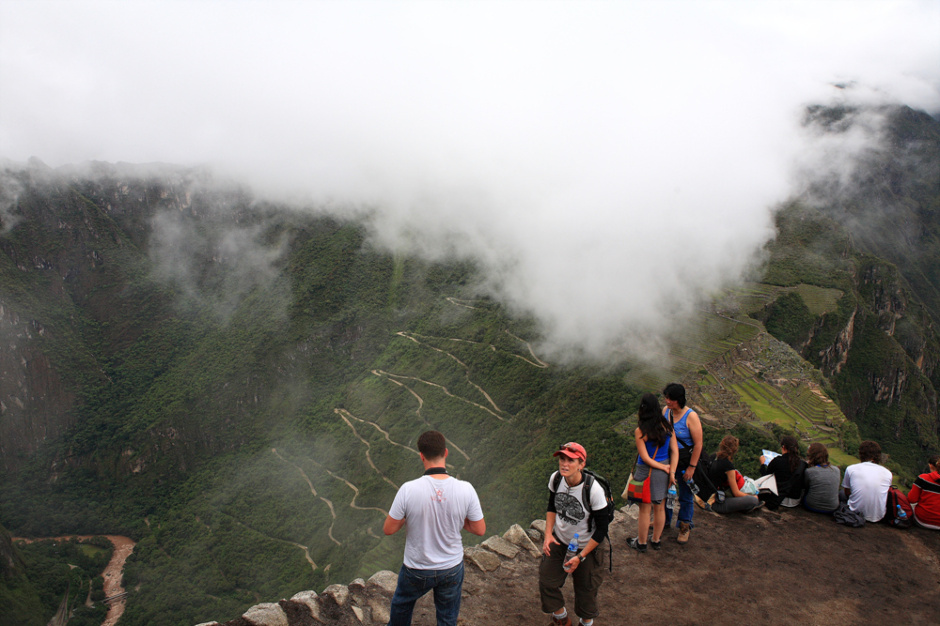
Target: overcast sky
point(604, 162)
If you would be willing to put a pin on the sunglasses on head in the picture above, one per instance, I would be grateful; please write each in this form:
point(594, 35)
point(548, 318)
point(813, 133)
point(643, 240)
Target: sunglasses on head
point(567, 448)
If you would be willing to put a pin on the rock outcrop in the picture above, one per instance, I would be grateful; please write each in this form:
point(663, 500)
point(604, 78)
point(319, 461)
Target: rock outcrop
point(366, 602)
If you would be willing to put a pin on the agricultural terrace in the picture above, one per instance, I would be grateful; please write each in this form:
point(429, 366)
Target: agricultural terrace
point(735, 372)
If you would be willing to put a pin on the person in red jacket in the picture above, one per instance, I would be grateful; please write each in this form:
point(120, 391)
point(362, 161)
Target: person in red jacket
point(925, 496)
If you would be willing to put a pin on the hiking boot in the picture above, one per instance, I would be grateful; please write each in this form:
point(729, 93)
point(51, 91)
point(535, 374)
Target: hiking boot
point(656, 545)
point(564, 621)
point(636, 545)
point(685, 529)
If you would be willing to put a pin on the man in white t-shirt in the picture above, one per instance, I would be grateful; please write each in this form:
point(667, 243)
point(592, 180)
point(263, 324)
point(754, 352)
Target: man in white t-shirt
point(435, 508)
point(866, 484)
point(567, 515)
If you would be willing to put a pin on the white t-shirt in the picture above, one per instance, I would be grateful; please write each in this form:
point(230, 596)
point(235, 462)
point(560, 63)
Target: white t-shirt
point(435, 511)
point(868, 484)
point(570, 516)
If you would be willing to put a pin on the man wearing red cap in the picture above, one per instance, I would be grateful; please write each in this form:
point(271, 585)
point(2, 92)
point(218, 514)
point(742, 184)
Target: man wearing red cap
point(567, 515)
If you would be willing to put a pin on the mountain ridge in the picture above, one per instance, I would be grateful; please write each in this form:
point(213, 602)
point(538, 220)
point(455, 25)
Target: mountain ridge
point(168, 331)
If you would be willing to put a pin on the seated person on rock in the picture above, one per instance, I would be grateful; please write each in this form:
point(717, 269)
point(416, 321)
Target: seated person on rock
point(925, 496)
point(866, 484)
point(820, 481)
point(788, 470)
point(724, 477)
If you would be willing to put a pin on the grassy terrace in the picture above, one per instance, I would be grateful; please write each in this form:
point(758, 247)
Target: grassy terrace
point(708, 346)
point(754, 296)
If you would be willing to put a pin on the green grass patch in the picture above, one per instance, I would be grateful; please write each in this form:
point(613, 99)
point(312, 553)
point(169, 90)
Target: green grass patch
point(818, 300)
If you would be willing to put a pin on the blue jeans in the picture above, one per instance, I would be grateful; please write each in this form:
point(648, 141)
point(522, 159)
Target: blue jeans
point(414, 583)
point(686, 505)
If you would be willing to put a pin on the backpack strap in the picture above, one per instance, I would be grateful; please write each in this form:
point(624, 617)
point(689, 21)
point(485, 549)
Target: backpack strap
point(586, 497)
point(587, 479)
point(926, 485)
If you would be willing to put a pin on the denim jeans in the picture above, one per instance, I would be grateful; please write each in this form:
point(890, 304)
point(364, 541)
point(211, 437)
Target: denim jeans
point(414, 583)
point(686, 505)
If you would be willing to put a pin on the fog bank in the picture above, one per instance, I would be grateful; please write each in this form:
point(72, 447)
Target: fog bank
point(608, 165)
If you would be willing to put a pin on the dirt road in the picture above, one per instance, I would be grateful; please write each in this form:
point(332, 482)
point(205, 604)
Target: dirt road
point(113, 573)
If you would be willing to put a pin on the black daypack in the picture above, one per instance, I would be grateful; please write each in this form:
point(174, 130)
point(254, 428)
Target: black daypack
point(701, 476)
point(608, 510)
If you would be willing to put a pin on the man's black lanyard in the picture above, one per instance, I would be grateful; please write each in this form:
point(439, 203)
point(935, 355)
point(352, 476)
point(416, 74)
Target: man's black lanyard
point(435, 470)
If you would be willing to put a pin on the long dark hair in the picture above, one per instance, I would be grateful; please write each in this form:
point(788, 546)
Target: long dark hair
point(651, 422)
point(793, 451)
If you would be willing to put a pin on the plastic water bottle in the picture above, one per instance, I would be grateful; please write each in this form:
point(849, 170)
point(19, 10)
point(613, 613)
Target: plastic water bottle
point(692, 487)
point(902, 516)
point(671, 497)
point(572, 551)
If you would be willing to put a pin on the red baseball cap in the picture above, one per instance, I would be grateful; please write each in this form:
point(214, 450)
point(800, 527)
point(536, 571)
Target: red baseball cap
point(572, 450)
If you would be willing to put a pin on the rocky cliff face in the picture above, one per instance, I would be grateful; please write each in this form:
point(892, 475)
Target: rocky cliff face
point(79, 269)
point(35, 404)
point(10, 562)
point(833, 357)
point(882, 347)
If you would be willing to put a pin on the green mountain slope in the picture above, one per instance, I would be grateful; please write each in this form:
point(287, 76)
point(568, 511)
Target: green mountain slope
point(238, 386)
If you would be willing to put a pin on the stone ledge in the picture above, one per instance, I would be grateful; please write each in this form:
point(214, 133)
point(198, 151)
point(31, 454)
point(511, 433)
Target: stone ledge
point(366, 603)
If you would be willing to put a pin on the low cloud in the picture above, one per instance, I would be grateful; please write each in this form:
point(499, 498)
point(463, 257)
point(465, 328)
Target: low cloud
point(216, 265)
point(607, 165)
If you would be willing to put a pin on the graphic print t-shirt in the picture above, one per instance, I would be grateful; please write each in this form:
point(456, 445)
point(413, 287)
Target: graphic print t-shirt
point(570, 516)
point(435, 511)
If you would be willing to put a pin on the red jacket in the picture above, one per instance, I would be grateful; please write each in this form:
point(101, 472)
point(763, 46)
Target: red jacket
point(926, 495)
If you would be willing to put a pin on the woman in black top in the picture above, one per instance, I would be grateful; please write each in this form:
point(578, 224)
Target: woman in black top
point(722, 475)
point(788, 470)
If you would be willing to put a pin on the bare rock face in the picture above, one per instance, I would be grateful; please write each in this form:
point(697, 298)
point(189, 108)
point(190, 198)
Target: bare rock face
point(268, 614)
point(385, 581)
point(309, 600)
point(483, 559)
point(538, 525)
point(501, 547)
point(339, 594)
point(517, 536)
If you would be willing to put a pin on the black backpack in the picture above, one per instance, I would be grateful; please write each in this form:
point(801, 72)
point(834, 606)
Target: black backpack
point(702, 476)
point(608, 510)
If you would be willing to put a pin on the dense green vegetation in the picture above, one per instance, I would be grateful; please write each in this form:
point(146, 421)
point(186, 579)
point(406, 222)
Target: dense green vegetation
point(789, 319)
point(233, 447)
point(885, 378)
point(54, 574)
point(244, 384)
